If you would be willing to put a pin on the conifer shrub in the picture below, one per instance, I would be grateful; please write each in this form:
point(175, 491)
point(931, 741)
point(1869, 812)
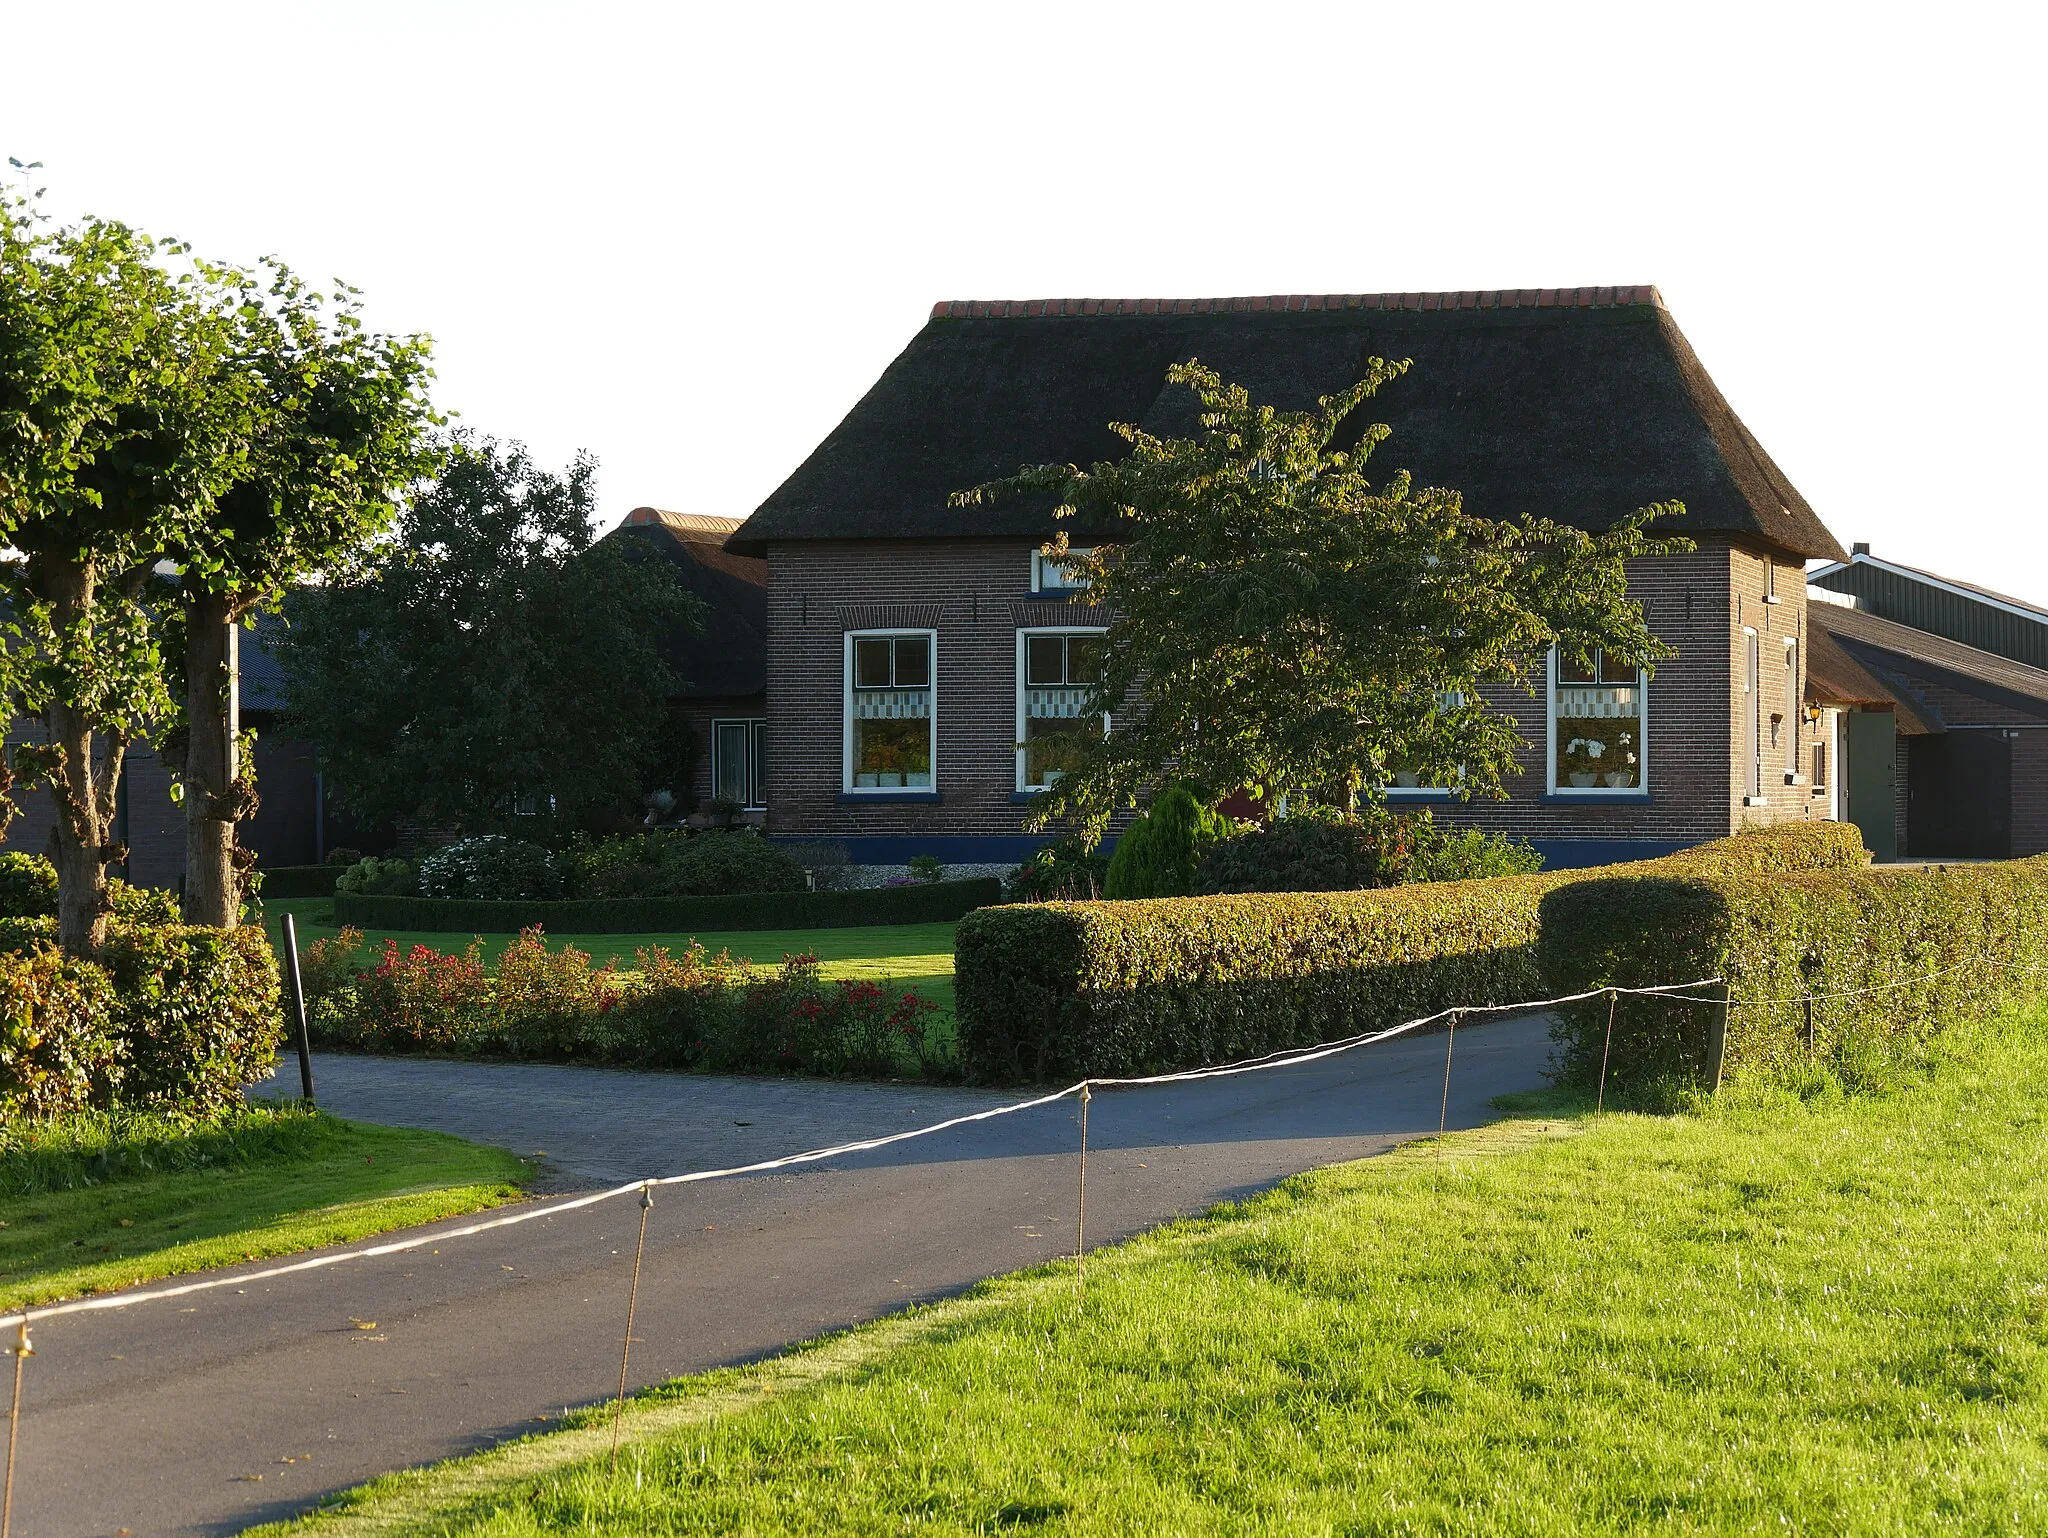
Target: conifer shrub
point(1160, 854)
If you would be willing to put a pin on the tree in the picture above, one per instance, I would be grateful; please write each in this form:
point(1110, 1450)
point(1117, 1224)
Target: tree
point(111, 444)
point(1279, 623)
point(494, 668)
point(332, 419)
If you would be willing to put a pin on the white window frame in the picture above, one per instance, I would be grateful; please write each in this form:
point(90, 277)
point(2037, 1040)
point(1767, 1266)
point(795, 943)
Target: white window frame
point(1637, 791)
point(1023, 648)
point(1795, 702)
point(1041, 568)
point(846, 785)
point(756, 752)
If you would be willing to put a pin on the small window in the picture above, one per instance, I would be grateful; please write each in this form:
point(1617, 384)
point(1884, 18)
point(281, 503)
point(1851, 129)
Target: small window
point(1057, 671)
point(739, 770)
point(1598, 741)
point(1048, 577)
point(1406, 781)
point(1820, 766)
point(1792, 711)
point(890, 720)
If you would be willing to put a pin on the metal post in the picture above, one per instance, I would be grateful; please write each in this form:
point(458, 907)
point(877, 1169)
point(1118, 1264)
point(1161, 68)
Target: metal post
point(297, 996)
point(1808, 1001)
point(632, 1305)
point(1443, 1114)
point(1717, 1035)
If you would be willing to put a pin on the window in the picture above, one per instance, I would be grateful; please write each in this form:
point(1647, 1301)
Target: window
point(1598, 745)
point(889, 717)
point(1820, 766)
point(1792, 703)
point(739, 763)
point(1047, 577)
point(1056, 672)
point(1406, 781)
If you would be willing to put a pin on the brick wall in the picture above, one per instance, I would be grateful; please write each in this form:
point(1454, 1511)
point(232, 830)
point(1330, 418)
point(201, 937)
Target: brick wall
point(975, 594)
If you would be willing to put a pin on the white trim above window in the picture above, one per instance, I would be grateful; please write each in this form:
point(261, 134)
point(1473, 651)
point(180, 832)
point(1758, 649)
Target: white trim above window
point(1596, 730)
point(890, 685)
point(1054, 679)
point(1047, 577)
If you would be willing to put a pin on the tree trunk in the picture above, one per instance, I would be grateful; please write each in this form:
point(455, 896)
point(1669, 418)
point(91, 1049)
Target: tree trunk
point(212, 893)
point(83, 790)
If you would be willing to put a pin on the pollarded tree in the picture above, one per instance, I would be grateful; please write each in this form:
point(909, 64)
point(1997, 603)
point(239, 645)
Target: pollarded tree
point(332, 419)
point(112, 442)
point(497, 668)
point(1278, 622)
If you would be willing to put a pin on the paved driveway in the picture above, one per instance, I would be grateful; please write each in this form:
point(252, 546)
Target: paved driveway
point(158, 1419)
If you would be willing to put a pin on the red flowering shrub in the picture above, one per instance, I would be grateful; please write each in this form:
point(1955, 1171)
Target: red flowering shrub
point(691, 1009)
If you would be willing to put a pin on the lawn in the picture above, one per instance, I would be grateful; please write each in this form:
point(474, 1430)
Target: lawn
point(917, 956)
point(1783, 1315)
point(272, 1182)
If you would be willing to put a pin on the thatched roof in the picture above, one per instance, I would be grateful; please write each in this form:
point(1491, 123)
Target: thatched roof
point(1575, 404)
point(729, 655)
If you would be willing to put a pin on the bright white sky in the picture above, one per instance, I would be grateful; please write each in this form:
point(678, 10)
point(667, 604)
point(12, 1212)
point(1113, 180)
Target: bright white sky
point(688, 238)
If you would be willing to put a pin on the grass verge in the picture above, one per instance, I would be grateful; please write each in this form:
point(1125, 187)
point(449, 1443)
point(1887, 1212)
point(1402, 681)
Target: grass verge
point(90, 1213)
point(916, 956)
point(1819, 1314)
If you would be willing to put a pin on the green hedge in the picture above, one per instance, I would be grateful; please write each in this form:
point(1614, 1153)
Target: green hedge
point(1061, 990)
point(300, 880)
point(923, 903)
point(1938, 946)
point(170, 1018)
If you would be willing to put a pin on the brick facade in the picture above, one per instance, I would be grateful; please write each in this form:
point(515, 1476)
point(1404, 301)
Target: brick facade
point(975, 595)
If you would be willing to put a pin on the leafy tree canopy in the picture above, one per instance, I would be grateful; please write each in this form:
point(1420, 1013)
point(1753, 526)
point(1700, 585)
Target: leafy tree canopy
point(1278, 622)
point(493, 668)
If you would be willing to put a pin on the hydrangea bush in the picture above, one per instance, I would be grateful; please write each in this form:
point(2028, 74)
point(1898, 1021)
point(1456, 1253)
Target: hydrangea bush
point(492, 867)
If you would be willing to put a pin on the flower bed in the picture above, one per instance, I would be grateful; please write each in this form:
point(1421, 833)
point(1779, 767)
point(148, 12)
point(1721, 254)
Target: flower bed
point(692, 1009)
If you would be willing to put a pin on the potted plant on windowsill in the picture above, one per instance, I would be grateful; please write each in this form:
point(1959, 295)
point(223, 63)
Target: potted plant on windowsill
point(1582, 757)
point(1625, 776)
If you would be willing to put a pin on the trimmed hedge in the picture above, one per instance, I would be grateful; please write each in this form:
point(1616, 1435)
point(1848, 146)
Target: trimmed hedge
point(300, 880)
point(1062, 990)
point(925, 903)
point(170, 1018)
point(1941, 946)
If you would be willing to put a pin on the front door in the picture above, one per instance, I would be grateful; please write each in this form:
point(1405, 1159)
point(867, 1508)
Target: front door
point(1867, 775)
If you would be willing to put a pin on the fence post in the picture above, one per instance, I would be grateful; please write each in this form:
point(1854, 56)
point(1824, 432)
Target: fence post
point(297, 995)
point(1717, 1036)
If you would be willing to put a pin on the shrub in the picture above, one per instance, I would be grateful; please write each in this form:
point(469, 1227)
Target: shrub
point(1328, 852)
point(1937, 947)
point(490, 866)
point(1060, 872)
point(628, 865)
point(927, 867)
point(693, 1010)
point(60, 1045)
point(28, 886)
point(919, 903)
point(341, 854)
point(1065, 989)
point(377, 878)
point(142, 904)
point(198, 1011)
point(170, 1018)
point(721, 863)
point(1159, 854)
point(1467, 854)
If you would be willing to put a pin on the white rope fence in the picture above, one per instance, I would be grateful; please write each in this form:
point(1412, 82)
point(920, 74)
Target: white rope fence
point(1290, 1058)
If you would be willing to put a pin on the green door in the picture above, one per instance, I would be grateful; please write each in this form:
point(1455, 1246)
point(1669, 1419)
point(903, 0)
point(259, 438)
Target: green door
point(1871, 748)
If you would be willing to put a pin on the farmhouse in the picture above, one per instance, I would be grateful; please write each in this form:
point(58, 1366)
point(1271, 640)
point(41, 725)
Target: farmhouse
point(923, 660)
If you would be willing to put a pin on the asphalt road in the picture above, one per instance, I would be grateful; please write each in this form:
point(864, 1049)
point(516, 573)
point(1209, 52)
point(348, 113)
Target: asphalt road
point(208, 1414)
